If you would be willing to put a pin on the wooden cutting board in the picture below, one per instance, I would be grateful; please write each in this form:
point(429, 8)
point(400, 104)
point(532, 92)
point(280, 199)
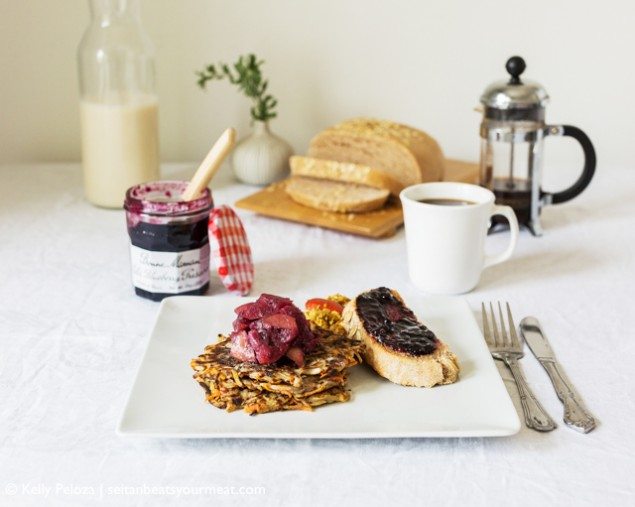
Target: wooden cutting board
point(274, 202)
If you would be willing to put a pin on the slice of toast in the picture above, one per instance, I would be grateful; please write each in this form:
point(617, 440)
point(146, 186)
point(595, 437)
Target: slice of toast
point(335, 196)
point(343, 171)
point(398, 346)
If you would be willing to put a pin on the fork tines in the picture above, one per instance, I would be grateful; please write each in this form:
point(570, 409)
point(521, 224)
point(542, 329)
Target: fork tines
point(498, 337)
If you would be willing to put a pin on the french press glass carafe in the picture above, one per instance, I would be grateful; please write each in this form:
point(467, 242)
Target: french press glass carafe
point(512, 134)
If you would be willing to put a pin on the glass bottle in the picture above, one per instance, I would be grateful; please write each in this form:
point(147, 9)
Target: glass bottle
point(118, 103)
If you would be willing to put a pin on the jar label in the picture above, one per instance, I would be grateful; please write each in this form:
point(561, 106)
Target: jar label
point(169, 272)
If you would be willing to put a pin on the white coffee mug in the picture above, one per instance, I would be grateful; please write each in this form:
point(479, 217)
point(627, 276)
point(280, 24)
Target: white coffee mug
point(446, 242)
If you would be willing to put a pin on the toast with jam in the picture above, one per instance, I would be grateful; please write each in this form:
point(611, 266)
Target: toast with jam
point(397, 346)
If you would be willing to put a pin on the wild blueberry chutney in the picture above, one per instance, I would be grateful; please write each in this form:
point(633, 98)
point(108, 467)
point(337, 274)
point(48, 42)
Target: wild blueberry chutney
point(394, 324)
point(169, 243)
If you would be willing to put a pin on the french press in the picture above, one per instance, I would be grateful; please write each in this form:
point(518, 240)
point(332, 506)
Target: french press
point(512, 134)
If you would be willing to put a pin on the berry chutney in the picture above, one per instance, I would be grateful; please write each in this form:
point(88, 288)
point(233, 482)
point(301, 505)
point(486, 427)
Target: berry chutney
point(169, 243)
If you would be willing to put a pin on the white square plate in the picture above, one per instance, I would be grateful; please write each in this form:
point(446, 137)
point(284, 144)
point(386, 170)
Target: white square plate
point(166, 402)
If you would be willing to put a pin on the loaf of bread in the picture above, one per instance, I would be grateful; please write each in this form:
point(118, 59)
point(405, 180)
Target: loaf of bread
point(337, 196)
point(343, 171)
point(403, 153)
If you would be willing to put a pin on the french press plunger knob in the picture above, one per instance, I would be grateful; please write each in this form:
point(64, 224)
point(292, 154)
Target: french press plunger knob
point(515, 66)
point(512, 134)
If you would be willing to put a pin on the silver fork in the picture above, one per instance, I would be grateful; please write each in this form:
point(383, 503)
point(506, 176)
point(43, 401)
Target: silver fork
point(507, 347)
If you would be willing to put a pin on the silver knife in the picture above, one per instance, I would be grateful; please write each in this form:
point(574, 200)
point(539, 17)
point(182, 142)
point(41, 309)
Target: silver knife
point(575, 414)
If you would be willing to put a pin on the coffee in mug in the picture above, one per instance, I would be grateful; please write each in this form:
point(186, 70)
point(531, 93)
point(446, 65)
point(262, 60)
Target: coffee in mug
point(447, 202)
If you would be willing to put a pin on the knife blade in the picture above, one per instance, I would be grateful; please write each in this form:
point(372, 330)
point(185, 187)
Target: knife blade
point(576, 415)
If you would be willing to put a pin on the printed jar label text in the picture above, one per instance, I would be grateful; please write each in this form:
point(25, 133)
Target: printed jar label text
point(169, 272)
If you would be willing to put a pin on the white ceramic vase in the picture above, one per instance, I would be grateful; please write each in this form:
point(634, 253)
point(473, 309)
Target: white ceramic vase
point(261, 158)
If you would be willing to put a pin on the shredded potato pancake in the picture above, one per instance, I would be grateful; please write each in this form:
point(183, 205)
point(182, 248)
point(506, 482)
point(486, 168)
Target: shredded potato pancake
point(231, 384)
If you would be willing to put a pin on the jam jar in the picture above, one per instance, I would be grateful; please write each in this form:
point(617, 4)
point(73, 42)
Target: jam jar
point(169, 244)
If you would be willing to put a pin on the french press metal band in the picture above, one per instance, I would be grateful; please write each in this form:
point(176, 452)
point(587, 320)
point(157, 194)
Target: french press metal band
point(512, 134)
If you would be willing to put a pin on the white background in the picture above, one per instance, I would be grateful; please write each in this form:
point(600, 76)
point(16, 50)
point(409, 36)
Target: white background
point(420, 62)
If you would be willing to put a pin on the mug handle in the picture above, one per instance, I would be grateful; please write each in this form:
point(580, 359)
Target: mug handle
point(589, 162)
point(508, 213)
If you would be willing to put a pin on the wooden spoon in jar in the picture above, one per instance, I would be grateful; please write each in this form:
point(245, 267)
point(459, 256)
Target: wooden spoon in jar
point(210, 165)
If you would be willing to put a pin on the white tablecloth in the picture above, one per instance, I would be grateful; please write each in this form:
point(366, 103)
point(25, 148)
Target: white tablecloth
point(72, 333)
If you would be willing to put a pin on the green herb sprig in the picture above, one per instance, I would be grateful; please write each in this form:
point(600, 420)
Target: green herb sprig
point(245, 74)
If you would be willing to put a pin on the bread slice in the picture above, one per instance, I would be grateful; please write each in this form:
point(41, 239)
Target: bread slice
point(404, 153)
point(343, 171)
point(330, 195)
point(397, 345)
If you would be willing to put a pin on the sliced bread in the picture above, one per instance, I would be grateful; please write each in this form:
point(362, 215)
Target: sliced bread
point(404, 153)
point(344, 171)
point(337, 196)
point(397, 346)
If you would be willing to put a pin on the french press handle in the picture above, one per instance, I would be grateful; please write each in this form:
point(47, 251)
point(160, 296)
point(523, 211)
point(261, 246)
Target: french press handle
point(589, 162)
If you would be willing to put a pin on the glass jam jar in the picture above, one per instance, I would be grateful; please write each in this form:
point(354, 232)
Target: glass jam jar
point(169, 243)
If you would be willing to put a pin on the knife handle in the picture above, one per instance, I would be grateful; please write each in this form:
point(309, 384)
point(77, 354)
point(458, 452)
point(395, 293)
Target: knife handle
point(575, 415)
point(535, 416)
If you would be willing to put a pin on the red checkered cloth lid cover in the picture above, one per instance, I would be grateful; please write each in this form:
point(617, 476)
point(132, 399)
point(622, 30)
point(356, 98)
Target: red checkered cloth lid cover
point(230, 250)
